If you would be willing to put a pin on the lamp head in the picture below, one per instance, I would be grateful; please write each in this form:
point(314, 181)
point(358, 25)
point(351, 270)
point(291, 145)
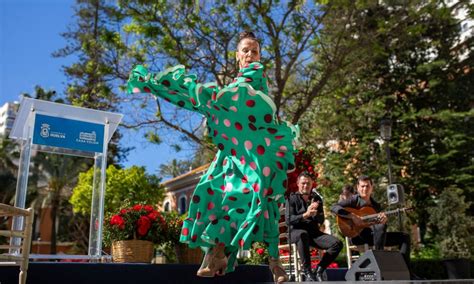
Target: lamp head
point(386, 129)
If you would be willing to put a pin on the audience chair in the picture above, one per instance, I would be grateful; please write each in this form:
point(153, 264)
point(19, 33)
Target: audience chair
point(17, 254)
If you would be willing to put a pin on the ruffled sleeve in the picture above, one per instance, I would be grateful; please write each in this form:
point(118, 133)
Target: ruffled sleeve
point(173, 85)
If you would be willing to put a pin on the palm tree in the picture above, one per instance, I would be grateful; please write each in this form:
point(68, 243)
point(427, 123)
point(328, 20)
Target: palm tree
point(8, 169)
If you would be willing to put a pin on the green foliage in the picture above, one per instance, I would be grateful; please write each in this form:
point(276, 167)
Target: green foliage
point(258, 254)
point(401, 65)
point(454, 228)
point(174, 222)
point(132, 184)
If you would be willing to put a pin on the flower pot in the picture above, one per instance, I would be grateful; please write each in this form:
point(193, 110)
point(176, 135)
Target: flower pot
point(187, 255)
point(457, 268)
point(132, 251)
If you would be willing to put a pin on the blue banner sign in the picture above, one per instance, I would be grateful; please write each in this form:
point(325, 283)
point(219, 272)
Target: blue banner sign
point(67, 133)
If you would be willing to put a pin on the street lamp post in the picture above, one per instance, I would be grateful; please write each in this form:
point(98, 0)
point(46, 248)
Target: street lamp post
point(386, 134)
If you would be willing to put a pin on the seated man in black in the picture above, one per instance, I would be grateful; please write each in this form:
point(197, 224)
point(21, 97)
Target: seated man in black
point(375, 235)
point(304, 215)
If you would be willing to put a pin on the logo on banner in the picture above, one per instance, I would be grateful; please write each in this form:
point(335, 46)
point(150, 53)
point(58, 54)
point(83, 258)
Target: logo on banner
point(86, 137)
point(44, 130)
point(68, 133)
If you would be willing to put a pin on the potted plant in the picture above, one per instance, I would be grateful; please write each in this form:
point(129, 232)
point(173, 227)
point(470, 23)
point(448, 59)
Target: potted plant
point(132, 233)
point(184, 254)
point(454, 232)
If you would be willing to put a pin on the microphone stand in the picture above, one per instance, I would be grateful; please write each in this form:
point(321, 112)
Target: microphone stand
point(292, 277)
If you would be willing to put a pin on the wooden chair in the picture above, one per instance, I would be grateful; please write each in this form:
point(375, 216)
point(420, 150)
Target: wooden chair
point(17, 254)
point(353, 252)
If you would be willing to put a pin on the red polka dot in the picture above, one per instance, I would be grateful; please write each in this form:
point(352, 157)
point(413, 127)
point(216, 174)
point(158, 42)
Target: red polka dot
point(233, 152)
point(210, 205)
point(267, 118)
point(193, 101)
point(260, 150)
point(232, 198)
point(210, 177)
point(185, 232)
point(238, 126)
point(280, 154)
point(198, 215)
point(279, 165)
point(272, 130)
point(194, 238)
point(146, 90)
point(245, 190)
point(241, 243)
point(214, 96)
point(278, 137)
point(250, 103)
point(256, 187)
point(244, 179)
point(210, 191)
point(269, 191)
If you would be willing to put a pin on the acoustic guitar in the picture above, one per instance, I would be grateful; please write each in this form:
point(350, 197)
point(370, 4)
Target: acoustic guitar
point(367, 214)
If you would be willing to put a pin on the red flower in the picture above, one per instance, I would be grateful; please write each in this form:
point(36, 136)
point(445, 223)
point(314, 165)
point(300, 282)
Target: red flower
point(153, 215)
point(118, 221)
point(148, 208)
point(144, 224)
point(137, 207)
point(123, 211)
point(260, 251)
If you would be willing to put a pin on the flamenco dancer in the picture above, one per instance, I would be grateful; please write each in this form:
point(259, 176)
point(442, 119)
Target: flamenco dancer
point(236, 201)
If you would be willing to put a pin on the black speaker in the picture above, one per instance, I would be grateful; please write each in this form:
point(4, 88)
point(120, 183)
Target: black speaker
point(378, 265)
point(395, 194)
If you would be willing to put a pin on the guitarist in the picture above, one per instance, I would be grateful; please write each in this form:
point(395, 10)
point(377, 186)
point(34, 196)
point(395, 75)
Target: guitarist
point(375, 235)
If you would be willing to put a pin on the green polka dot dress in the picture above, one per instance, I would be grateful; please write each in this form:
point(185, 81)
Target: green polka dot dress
point(236, 202)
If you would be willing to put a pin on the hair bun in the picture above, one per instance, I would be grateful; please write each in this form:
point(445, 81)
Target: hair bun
point(247, 34)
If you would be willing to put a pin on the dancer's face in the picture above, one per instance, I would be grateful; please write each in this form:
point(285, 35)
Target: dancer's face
point(248, 51)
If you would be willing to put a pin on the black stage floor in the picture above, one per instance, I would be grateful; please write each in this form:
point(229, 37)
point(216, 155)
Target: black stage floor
point(104, 273)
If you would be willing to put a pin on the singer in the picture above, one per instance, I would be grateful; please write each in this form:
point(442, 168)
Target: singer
point(304, 215)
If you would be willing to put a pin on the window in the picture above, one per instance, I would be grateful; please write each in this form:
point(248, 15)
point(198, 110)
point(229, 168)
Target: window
point(182, 204)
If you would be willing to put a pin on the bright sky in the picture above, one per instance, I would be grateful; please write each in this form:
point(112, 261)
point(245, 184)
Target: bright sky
point(29, 33)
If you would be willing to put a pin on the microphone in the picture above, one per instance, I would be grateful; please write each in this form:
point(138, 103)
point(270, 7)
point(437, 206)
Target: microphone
point(314, 192)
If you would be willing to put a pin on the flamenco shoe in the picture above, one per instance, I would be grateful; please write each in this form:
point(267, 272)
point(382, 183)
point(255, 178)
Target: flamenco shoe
point(214, 263)
point(279, 274)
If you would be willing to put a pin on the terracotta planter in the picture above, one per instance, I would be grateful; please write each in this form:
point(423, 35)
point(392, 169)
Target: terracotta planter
point(132, 251)
point(186, 255)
